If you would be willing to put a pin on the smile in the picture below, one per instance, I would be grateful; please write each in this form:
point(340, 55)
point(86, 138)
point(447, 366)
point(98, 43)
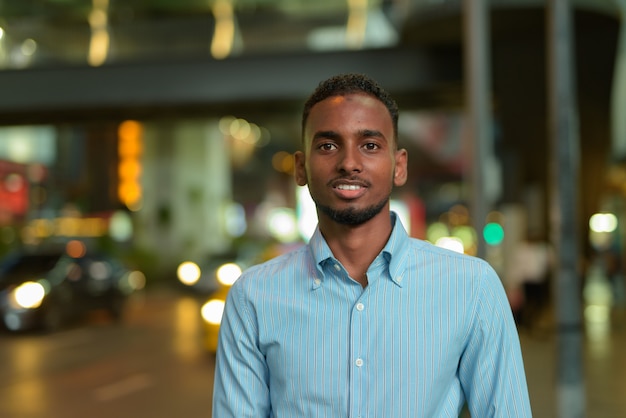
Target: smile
point(348, 187)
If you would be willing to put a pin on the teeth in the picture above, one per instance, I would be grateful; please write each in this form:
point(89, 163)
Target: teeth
point(348, 187)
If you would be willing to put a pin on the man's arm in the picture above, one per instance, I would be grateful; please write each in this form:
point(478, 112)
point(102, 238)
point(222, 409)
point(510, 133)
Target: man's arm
point(241, 388)
point(491, 369)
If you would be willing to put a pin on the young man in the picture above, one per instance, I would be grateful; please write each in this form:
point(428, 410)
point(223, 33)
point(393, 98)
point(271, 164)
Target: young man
point(365, 321)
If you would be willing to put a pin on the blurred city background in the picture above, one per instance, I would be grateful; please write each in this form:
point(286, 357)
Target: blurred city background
point(146, 158)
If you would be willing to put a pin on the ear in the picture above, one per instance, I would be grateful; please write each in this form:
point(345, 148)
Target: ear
point(400, 172)
point(300, 171)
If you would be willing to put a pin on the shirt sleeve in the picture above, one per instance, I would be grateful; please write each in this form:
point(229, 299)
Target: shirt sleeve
point(491, 368)
point(241, 388)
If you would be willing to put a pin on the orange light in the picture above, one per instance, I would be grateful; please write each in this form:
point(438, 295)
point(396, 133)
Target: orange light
point(130, 130)
point(75, 248)
point(129, 168)
point(129, 193)
point(129, 148)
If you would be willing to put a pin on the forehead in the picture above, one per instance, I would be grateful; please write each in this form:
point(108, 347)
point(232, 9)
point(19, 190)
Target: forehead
point(353, 106)
point(357, 99)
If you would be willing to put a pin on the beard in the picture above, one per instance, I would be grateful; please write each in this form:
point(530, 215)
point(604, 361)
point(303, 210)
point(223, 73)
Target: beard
point(352, 216)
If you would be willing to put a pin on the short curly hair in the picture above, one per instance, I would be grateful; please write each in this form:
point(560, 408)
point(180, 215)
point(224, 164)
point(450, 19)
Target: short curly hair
point(344, 84)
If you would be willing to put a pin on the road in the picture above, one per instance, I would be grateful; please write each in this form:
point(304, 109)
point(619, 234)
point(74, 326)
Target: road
point(153, 365)
point(150, 365)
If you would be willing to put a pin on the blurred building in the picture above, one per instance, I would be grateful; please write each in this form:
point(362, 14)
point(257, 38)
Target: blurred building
point(211, 92)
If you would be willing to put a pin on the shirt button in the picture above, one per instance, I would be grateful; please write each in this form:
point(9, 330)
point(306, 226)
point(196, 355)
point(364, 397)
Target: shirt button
point(360, 306)
point(337, 267)
point(317, 282)
point(359, 362)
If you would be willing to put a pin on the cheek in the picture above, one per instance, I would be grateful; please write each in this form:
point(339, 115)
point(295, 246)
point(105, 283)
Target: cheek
point(316, 169)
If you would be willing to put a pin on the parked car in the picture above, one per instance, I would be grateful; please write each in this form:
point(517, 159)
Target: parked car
point(47, 289)
point(202, 277)
point(212, 310)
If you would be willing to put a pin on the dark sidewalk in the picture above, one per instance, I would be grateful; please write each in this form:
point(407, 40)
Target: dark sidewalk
point(604, 365)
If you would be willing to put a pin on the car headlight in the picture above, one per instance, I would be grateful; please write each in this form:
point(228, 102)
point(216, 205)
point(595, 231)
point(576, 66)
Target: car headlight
point(28, 295)
point(188, 273)
point(212, 311)
point(228, 273)
point(132, 281)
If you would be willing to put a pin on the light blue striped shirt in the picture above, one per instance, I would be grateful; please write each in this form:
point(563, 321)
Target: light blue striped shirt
point(431, 331)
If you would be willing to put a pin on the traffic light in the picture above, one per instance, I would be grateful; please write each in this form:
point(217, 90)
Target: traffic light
point(493, 233)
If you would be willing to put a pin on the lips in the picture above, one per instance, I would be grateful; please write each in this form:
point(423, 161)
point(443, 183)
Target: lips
point(349, 189)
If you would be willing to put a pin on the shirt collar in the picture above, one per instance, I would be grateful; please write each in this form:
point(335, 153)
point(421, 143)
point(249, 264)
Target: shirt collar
point(394, 251)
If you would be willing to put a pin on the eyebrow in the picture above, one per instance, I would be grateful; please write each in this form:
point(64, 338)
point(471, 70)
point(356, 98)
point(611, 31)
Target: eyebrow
point(371, 133)
point(363, 133)
point(326, 134)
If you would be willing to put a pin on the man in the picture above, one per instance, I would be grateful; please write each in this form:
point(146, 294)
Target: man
point(365, 321)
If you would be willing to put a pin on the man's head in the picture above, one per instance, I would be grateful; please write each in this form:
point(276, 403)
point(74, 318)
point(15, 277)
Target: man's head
point(350, 159)
point(343, 84)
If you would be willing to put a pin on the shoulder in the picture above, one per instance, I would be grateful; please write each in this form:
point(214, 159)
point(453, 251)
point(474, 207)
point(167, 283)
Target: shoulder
point(277, 271)
point(453, 272)
point(431, 255)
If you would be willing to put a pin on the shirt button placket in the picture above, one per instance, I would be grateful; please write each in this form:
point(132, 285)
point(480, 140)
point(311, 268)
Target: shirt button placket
point(359, 307)
point(358, 345)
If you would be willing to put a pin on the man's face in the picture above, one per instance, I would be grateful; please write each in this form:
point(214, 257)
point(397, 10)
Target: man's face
point(350, 161)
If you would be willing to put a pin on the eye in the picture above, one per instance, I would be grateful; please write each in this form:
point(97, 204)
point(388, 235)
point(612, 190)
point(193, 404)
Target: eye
point(327, 146)
point(371, 146)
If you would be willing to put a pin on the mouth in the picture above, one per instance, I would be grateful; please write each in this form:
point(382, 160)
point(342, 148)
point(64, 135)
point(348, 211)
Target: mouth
point(349, 189)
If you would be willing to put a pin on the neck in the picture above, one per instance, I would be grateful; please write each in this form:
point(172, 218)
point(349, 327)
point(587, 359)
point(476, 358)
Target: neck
point(356, 246)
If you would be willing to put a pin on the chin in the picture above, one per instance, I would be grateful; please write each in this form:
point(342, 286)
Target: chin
point(352, 215)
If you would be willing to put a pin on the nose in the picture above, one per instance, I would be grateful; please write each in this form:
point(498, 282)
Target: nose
point(350, 161)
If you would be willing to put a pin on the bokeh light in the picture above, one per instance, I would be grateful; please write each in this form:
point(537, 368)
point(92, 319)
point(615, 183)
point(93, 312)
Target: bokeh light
point(188, 273)
point(228, 273)
point(75, 248)
point(493, 233)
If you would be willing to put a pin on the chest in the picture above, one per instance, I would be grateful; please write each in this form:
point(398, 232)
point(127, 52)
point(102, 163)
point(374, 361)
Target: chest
point(331, 328)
